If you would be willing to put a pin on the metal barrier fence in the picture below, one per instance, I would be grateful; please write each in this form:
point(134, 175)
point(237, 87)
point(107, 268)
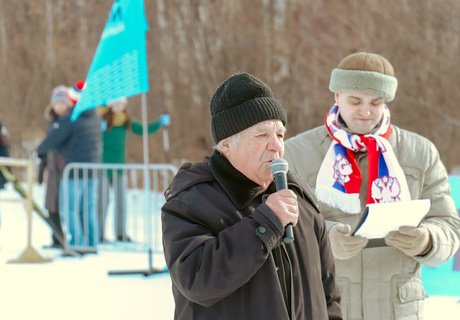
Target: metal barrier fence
point(114, 204)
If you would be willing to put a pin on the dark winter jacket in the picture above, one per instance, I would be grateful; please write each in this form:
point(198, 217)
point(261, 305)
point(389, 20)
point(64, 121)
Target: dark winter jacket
point(78, 141)
point(223, 248)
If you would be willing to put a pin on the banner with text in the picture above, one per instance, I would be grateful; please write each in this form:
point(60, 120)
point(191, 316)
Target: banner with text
point(119, 67)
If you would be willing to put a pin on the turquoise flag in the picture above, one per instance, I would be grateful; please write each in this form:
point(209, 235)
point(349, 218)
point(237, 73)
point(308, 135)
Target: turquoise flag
point(119, 67)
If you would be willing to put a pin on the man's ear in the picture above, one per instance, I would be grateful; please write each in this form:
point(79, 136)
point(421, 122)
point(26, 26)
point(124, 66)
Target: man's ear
point(336, 96)
point(225, 146)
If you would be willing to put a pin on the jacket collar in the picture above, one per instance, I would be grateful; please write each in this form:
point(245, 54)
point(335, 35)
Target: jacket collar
point(237, 186)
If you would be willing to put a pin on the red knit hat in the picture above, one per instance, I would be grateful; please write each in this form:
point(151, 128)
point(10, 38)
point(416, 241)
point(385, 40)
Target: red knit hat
point(75, 91)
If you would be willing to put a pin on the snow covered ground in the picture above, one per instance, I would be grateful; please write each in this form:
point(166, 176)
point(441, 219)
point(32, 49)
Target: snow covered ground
point(74, 287)
point(81, 288)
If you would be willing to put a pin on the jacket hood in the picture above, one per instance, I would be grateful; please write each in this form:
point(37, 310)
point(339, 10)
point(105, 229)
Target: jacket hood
point(188, 175)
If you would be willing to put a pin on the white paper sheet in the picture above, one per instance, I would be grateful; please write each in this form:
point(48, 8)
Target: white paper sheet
point(381, 218)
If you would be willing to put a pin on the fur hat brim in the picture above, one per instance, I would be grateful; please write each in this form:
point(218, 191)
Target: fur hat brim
point(369, 82)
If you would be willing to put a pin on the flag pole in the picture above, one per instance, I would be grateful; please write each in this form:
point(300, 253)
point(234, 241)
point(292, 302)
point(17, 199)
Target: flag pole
point(145, 134)
point(166, 143)
point(148, 206)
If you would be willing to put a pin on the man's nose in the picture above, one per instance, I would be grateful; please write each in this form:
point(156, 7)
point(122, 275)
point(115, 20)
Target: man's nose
point(276, 144)
point(365, 110)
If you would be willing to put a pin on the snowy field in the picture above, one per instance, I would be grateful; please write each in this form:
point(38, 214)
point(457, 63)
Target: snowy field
point(74, 287)
point(81, 288)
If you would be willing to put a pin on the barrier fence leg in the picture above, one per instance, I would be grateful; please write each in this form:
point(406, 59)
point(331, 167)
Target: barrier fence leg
point(23, 193)
point(29, 254)
point(146, 272)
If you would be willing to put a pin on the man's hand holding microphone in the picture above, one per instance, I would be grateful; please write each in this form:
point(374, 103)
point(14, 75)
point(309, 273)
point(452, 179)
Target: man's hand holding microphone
point(284, 201)
point(284, 205)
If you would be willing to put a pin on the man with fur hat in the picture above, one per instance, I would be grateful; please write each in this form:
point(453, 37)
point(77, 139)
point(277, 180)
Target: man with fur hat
point(223, 222)
point(359, 157)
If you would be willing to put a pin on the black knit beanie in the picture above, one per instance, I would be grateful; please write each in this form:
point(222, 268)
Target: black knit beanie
point(240, 102)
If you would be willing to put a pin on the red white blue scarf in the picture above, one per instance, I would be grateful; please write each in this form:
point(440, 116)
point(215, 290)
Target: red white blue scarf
point(339, 178)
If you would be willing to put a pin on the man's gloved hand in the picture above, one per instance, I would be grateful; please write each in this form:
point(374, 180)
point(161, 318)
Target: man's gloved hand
point(41, 169)
point(165, 120)
point(413, 241)
point(343, 245)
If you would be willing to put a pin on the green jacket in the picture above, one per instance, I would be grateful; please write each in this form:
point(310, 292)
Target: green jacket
point(114, 140)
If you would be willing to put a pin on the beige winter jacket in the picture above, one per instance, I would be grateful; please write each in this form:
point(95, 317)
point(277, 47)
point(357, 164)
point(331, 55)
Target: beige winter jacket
point(382, 282)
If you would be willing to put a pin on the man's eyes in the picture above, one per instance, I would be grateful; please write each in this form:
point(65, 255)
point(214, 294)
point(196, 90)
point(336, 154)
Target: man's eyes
point(261, 135)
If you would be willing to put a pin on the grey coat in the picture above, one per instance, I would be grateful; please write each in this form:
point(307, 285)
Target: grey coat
point(383, 283)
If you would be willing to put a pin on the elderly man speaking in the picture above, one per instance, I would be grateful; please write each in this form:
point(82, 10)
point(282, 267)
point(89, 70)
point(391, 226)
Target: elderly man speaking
point(223, 222)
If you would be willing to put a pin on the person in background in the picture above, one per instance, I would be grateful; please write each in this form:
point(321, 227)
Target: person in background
point(4, 151)
point(223, 222)
point(359, 157)
point(54, 162)
point(116, 122)
point(78, 141)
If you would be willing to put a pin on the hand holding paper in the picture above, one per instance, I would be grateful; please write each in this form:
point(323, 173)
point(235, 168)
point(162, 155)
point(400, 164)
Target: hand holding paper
point(343, 244)
point(381, 218)
point(412, 241)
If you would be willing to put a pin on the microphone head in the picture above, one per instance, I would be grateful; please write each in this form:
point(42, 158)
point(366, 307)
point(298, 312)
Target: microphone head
point(279, 166)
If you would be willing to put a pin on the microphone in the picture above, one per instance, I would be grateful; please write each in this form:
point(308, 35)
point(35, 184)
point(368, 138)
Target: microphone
point(279, 169)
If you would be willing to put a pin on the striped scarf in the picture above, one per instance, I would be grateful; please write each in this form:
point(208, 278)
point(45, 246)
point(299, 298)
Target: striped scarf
point(339, 178)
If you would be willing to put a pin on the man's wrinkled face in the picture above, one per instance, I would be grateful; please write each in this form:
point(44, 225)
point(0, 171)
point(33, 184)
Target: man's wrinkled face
point(252, 150)
point(361, 112)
